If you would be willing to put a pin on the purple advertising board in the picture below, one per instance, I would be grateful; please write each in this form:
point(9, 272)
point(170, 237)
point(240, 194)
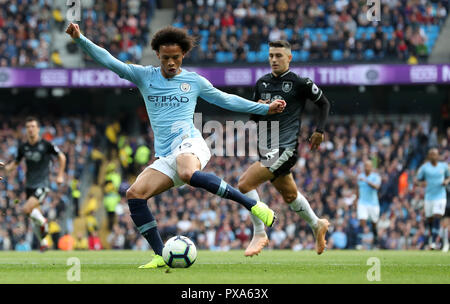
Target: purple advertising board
point(370, 74)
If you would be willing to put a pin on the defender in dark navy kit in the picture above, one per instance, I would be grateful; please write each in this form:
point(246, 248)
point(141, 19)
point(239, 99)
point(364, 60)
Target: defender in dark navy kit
point(279, 154)
point(38, 155)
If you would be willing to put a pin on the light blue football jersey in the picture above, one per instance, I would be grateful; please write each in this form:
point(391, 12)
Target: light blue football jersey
point(367, 194)
point(434, 176)
point(170, 102)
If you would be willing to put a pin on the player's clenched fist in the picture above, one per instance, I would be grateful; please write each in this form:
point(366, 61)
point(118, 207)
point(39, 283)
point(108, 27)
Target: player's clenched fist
point(277, 106)
point(315, 140)
point(73, 30)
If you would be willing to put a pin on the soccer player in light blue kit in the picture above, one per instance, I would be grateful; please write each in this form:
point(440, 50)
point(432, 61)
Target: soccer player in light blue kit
point(170, 94)
point(369, 183)
point(434, 176)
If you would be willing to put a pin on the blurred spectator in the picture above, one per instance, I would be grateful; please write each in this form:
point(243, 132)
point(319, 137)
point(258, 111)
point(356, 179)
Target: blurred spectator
point(81, 242)
point(111, 199)
point(94, 241)
point(339, 238)
point(116, 238)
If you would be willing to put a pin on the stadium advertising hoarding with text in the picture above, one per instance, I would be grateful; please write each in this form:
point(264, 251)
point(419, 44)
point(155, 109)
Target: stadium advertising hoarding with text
point(373, 74)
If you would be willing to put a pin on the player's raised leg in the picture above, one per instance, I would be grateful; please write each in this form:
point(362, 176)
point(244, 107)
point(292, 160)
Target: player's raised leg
point(285, 184)
point(254, 176)
point(149, 183)
point(38, 221)
point(188, 169)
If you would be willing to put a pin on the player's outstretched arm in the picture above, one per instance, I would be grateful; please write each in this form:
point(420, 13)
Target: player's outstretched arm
point(236, 103)
point(100, 55)
point(324, 107)
point(62, 166)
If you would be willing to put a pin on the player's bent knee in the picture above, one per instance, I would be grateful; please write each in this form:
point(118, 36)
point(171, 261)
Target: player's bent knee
point(289, 197)
point(186, 174)
point(133, 193)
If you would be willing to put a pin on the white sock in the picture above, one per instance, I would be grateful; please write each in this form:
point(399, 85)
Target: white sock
point(258, 225)
point(37, 216)
point(445, 237)
point(301, 206)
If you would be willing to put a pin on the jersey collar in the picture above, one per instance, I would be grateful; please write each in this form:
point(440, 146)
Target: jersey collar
point(282, 75)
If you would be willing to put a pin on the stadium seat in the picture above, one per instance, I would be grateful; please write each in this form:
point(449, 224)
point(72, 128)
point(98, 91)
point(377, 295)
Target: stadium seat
point(369, 54)
point(329, 31)
point(432, 35)
point(320, 31)
point(296, 56)
point(251, 56)
point(203, 45)
point(204, 33)
point(304, 55)
point(238, 33)
point(388, 29)
point(434, 28)
point(221, 57)
point(123, 56)
point(262, 56)
point(309, 31)
point(337, 55)
point(229, 56)
point(288, 33)
point(264, 47)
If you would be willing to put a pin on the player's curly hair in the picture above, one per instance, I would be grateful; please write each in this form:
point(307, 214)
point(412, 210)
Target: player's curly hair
point(170, 35)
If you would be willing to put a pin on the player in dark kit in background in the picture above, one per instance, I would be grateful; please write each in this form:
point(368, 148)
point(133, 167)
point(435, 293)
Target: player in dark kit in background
point(279, 156)
point(37, 153)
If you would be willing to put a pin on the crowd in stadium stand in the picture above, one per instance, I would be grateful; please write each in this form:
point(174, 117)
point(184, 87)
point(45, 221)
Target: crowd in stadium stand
point(25, 33)
point(26, 29)
point(121, 27)
point(76, 137)
point(231, 31)
point(318, 30)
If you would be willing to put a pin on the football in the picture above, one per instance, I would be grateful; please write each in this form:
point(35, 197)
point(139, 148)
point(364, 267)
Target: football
point(179, 252)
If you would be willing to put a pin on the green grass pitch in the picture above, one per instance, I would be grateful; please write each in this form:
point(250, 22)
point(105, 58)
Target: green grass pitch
point(271, 266)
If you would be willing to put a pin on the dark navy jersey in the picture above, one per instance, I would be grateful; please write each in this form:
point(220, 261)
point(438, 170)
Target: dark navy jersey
point(295, 91)
point(37, 158)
